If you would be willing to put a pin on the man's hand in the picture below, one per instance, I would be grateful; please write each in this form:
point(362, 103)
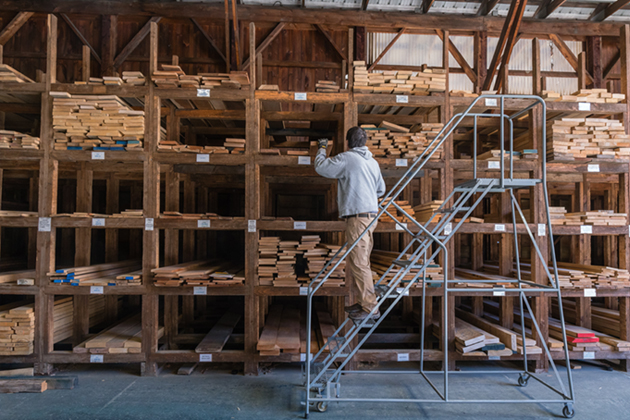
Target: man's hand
point(322, 143)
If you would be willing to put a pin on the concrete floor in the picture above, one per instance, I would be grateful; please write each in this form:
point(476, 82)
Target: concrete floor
point(107, 392)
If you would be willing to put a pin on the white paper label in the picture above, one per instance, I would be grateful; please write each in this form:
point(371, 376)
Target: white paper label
point(98, 222)
point(400, 290)
point(402, 162)
point(401, 226)
point(203, 93)
point(498, 293)
point(96, 290)
point(203, 223)
point(590, 292)
point(303, 291)
point(448, 228)
point(491, 101)
point(200, 290)
point(589, 355)
point(98, 155)
point(499, 228)
point(299, 96)
point(203, 158)
point(302, 357)
point(494, 164)
point(586, 229)
point(402, 99)
point(584, 106)
point(542, 229)
point(402, 357)
point(299, 225)
point(148, 223)
point(205, 358)
point(494, 358)
point(593, 168)
point(251, 226)
point(96, 358)
point(44, 224)
point(304, 160)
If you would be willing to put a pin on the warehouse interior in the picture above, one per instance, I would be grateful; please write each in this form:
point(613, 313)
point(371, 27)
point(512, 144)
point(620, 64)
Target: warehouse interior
point(163, 229)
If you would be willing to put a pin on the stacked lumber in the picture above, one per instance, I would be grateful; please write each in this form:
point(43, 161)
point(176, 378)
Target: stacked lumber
point(495, 155)
point(17, 213)
point(235, 146)
point(123, 273)
point(9, 75)
point(326, 86)
point(17, 329)
point(463, 94)
point(96, 122)
point(578, 338)
point(598, 218)
point(199, 273)
point(397, 214)
point(134, 78)
point(267, 259)
point(285, 264)
point(122, 338)
point(172, 76)
point(381, 260)
point(273, 88)
point(424, 82)
point(317, 257)
point(281, 332)
point(14, 140)
point(424, 212)
point(219, 335)
point(593, 276)
point(395, 141)
point(129, 214)
point(63, 311)
point(571, 138)
point(16, 276)
point(190, 148)
point(598, 96)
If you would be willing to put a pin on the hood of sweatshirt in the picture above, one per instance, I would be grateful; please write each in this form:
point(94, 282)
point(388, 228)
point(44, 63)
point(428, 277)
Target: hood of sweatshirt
point(363, 151)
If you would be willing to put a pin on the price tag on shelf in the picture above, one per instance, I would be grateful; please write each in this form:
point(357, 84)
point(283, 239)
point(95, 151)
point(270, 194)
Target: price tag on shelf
point(498, 293)
point(400, 290)
point(304, 160)
point(590, 292)
point(402, 99)
point(44, 224)
point(96, 290)
point(402, 357)
point(98, 155)
point(494, 164)
point(299, 96)
point(499, 228)
point(203, 158)
point(98, 222)
point(96, 358)
point(302, 357)
point(401, 226)
point(491, 102)
point(205, 358)
point(203, 93)
point(299, 225)
point(542, 229)
point(584, 106)
point(593, 168)
point(589, 355)
point(203, 223)
point(251, 226)
point(448, 228)
point(200, 290)
point(586, 229)
point(303, 291)
point(494, 357)
point(148, 223)
point(402, 162)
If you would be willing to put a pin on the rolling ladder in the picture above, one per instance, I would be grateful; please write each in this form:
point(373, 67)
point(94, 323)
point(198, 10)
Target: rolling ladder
point(323, 371)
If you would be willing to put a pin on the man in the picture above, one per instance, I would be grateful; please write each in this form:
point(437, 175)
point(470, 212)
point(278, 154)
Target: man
point(360, 183)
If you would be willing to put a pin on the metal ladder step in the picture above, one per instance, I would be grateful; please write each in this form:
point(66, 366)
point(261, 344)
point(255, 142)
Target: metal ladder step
point(455, 210)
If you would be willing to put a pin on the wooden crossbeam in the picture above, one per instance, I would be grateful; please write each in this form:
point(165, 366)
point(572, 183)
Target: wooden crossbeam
point(609, 11)
point(364, 4)
point(486, 7)
point(426, 5)
point(547, 8)
point(16, 23)
point(332, 42)
point(237, 36)
point(459, 58)
point(498, 52)
point(83, 39)
point(208, 38)
point(387, 48)
point(512, 40)
point(263, 45)
point(135, 41)
point(568, 54)
point(612, 64)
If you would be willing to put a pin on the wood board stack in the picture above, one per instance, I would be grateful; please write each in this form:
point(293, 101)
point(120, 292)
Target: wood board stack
point(166, 145)
point(599, 96)
point(14, 140)
point(96, 122)
point(129, 214)
point(281, 332)
point(134, 78)
point(9, 75)
point(579, 138)
point(15, 277)
point(122, 338)
point(404, 82)
point(318, 256)
point(495, 155)
point(397, 214)
point(597, 218)
point(267, 258)
point(235, 146)
point(219, 335)
point(424, 212)
point(123, 273)
point(63, 313)
point(17, 329)
point(578, 338)
point(395, 141)
point(172, 76)
point(463, 94)
point(16, 213)
point(381, 260)
point(326, 86)
point(285, 264)
point(199, 273)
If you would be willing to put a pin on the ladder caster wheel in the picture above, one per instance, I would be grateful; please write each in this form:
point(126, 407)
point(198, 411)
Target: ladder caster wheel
point(568, 412)
point(522, 381)
point(321, 406)
point(306, 416)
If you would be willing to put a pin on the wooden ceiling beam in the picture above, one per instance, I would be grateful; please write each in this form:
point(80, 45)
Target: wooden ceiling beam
point(609, 11)
point(208, 38)
point(387, 48)
point(12, 27)
point(486, 7)
point(135, 41)
point(365, 4)
point(498, 52)
point(547, 8)
point(511, 42)
point(332, 42)
point(426, 5)
point(459, 58)
point(568, 54)
point(263, 45)
point(83, 39)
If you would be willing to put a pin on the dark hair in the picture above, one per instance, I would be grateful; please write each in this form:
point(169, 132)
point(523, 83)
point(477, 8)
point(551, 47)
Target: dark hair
point(356, 137)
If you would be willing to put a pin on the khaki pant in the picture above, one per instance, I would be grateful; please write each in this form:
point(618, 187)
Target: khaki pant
point(359, 259)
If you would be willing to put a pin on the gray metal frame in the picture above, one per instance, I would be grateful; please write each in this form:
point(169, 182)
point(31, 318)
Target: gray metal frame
point(323, 373)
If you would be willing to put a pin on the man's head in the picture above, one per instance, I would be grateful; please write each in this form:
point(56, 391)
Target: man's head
point(356, 137)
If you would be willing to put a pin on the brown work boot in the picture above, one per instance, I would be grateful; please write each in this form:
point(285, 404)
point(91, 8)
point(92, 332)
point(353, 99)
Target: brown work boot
point(352, 308)
point(362, 314)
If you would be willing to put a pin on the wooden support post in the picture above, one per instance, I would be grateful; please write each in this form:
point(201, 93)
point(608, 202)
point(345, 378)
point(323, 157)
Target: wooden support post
point(594, 62)
point(189, 207)
point(83, 236)
point(113, 206)
point(86, 63)
point(351, 55)
point(481, 58)
point(506, 258)
point(109, 40)
point(583, 312)
point(537, 80)
point(581, 70)
point(33, 194)
point(624, 46)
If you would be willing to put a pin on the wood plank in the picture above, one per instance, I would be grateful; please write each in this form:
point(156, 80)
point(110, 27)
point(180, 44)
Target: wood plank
point(609, 11)
point(289, 331)
point(214, 341)
point(269, 336)
point(459, 58)
point(15, 386)
point(507, 336)
point(486, 7)
point(186, 369)
point(547, 7)
point(567, 54)
point(501, 44)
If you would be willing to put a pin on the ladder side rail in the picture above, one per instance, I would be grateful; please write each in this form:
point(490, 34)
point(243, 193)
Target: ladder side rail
point(403, 253)
point(472, 208)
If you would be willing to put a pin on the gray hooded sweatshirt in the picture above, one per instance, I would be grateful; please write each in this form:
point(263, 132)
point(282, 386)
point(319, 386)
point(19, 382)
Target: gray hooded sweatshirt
point(360, 179)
